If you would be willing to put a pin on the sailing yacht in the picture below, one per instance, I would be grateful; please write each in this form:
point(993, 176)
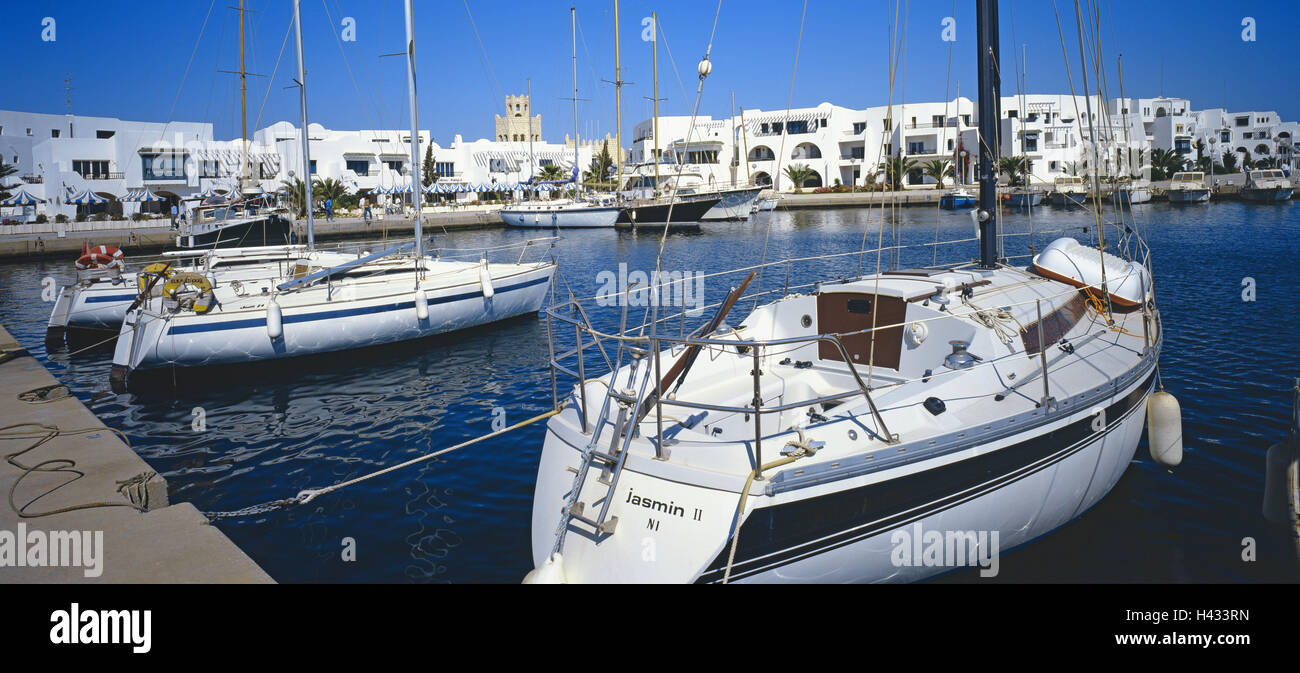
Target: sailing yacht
point(797, 445)
point(564, 213)
point(319, 304)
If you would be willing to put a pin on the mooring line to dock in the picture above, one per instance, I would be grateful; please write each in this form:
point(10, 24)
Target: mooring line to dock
point(45, 433)
point(307, 495)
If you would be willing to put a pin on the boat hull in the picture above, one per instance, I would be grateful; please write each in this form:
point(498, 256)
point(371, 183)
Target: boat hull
point(1021, 486)
point(951, 202)
point(1068, 199)
point(151, 339)
point(1267, 194)
point(1188, 195)
point(270, 230)
point(1128, 197)
point(735, 205)
point(1024, 200)
point(684, 211)
point(561, 218)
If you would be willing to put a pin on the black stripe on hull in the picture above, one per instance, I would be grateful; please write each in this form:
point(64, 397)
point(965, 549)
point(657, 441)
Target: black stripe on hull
point(782, 534)
point(683, 211)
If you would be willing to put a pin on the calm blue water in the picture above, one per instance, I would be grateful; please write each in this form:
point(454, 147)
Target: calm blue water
point(465, 518)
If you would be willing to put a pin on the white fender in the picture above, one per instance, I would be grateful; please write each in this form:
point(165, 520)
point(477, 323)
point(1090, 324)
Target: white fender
point(1165, 429)
point(421, 306)
point(485, 279)
point(551, 571)
point(274, 320)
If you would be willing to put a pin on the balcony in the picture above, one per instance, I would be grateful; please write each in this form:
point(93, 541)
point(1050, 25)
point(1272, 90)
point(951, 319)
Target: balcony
point(110, 175)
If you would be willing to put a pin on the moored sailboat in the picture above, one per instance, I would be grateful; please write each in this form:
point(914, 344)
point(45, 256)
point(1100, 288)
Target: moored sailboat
point(795, 446)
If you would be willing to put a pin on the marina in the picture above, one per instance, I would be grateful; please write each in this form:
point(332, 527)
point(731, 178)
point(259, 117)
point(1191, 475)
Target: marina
point(272, 432)
point(1011, 337)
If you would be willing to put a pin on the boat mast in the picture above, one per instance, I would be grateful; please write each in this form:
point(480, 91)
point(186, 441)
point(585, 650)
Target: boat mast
point(654, 22)
point(416, 187)
point(532, 162)
point(990, 112)
point(302, 101)
point(243, 103)
point(618, 101)
point(573, 34)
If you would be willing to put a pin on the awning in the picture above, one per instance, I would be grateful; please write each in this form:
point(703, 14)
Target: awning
point(22, 198)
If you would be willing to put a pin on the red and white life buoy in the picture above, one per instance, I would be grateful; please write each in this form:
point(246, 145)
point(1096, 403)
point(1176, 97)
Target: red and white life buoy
point(101, 257)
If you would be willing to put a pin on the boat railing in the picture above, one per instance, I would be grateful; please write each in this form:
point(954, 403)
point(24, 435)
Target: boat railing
point(649, 339)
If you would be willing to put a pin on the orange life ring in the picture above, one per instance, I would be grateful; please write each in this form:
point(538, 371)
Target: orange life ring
point(101, 257)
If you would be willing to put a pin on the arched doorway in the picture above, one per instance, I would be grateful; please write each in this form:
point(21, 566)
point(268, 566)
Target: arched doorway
point(762, 179)
point(814, 179)
point(806, 151)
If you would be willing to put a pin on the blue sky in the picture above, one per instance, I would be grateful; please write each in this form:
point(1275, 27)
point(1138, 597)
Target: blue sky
point(129, 60)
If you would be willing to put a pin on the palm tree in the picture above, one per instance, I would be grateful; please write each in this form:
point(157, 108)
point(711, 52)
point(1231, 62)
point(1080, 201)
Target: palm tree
point(1015, 168)
point(1229, 162)
point(1072, 169)
point(551, 172)
point(798, 174)
point(296, 192)
point(895, 168)
point(939, 169)
point(328, 188)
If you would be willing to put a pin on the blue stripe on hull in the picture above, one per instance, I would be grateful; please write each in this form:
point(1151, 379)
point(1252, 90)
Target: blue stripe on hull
point(343, 313)
point(110, 298)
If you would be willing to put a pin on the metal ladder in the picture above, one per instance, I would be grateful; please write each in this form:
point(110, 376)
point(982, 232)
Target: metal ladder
point(628, 397)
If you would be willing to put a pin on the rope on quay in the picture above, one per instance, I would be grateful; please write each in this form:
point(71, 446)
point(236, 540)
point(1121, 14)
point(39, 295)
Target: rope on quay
point(307, 495)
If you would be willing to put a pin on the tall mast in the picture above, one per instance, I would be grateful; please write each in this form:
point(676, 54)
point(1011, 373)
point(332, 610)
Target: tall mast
point(654, 21)
point(302, 101)
point(416, 187)
point(243, 103)
point(532, 162)
point(990, 112)
point(618, 100)
point(573, 33)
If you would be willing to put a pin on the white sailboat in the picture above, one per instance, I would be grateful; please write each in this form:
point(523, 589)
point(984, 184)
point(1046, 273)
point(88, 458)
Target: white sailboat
point(799, 445)
point(564, 213)
point(320, 304)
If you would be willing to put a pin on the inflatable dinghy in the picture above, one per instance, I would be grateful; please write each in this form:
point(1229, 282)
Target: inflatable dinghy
point(1073, 263)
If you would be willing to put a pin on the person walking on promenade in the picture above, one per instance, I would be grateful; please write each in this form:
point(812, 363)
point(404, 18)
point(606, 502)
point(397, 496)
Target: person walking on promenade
point(329, 210)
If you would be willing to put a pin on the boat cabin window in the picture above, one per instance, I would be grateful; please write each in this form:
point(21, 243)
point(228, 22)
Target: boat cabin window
point(839, 312)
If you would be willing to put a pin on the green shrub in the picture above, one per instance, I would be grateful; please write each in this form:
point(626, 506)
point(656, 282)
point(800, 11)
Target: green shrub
point(61, 218)
point(42, 219)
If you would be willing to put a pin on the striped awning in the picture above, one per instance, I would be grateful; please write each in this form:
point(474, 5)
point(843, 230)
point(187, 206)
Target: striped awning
point(22, 198)
point(87, 197)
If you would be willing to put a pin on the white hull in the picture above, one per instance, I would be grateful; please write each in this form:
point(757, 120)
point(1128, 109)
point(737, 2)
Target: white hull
point(1188, 195)
point(101, 305)
point(321, 320)
point(735, 205)
point(561, 217)
point(1021, 505)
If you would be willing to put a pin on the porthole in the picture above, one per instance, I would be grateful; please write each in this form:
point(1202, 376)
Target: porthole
point(806, 320)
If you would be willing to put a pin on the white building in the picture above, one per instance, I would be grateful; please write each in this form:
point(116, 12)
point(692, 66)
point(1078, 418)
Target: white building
point(845, 146)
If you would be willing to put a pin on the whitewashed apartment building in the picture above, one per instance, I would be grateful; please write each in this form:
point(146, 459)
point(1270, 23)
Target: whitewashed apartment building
point(60, 156)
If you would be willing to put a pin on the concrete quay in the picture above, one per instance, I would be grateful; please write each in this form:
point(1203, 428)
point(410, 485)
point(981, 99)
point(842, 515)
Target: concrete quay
point(82, 485)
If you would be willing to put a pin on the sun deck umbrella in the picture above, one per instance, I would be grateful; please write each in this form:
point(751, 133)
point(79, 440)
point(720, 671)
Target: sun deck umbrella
point(131, 194)
point(22, 198)
point(148, 197)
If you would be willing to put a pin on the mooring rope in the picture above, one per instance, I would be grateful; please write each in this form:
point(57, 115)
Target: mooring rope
point(307, 495)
